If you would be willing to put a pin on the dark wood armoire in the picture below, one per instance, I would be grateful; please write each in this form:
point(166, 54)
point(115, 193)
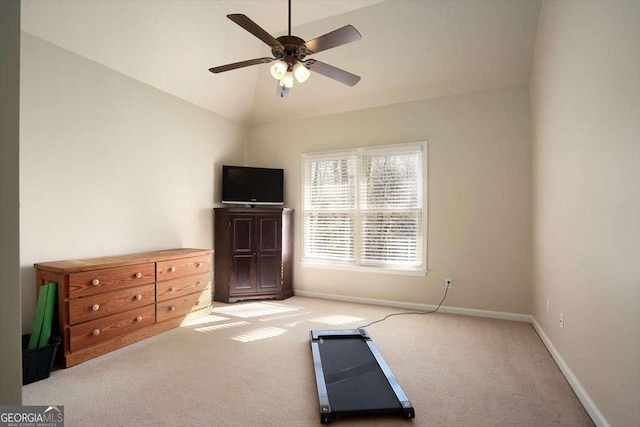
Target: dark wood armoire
point(253, 253)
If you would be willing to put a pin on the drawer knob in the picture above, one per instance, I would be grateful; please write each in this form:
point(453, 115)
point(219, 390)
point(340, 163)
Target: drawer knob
point(172, 308)
point(139, 319)
point(95, 282)
point(138, 297)
point(172, 269)
point(200, 264)
point(95, 307)
point(172, 289)
point(96, 332)
point(138, 275)
point(198, 283)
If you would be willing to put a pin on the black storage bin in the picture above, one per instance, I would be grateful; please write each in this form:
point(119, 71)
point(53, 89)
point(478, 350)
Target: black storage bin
point(37, 362)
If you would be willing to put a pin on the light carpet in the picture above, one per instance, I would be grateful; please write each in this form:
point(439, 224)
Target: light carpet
point(250, 364)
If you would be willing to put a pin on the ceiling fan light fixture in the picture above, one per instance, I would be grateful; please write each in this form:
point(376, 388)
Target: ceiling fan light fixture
point(301, 72)
point(279, 70)
point(287, 80)
point(289, 53)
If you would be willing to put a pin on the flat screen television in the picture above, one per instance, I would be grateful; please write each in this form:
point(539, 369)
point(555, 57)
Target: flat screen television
point(252, 186)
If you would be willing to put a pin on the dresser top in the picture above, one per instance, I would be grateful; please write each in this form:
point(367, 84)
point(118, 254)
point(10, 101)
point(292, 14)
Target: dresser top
point(78, 265)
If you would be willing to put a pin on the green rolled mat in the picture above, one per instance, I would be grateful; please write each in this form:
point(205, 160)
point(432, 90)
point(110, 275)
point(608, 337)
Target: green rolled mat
point(47, 320)
point(38, 317)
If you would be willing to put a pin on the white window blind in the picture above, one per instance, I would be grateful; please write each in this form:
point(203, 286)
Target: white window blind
point(391, 207)
point(365, 207)
point(330, 202)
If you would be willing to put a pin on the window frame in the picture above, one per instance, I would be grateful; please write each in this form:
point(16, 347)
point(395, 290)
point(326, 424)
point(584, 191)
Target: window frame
point(420, 270)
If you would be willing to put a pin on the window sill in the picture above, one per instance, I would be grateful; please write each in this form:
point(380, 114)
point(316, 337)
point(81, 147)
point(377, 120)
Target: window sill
point(364, 269)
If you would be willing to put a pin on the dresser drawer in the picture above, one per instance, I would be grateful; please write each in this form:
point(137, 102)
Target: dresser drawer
point(96, 306)
point(205, 297)
point(168, 270)
point(97, 331)
point(179, 287)
point(110, 279)
point(180, 306)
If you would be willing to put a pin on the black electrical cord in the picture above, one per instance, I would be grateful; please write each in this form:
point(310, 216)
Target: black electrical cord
point(407, 312)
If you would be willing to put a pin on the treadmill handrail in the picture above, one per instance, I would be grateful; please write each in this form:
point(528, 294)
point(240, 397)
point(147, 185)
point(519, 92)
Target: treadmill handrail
point(339, 333)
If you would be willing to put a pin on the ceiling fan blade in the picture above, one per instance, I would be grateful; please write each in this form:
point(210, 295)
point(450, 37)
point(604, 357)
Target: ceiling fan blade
point(332, 72)
point(256, 30)
point(240, 64)
point(335, 38)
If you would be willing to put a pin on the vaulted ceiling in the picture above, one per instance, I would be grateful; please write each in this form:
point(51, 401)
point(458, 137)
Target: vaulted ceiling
point(410, 49)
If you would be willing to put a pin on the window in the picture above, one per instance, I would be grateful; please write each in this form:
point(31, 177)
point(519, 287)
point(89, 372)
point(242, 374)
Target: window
point(364, 208)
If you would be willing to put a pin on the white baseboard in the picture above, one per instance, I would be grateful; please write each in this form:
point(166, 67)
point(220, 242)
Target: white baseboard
point(575, 384)
point(419, 307)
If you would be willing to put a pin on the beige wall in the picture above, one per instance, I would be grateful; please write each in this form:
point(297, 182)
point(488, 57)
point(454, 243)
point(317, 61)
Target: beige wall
point(10, 330)
point(586, 148)
point(109, 165)
point(479, 194)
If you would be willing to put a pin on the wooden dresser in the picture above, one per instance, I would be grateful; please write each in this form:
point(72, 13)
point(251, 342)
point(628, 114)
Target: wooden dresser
point(107, 303)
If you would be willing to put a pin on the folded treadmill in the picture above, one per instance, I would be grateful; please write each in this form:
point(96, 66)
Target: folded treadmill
point(353, 378)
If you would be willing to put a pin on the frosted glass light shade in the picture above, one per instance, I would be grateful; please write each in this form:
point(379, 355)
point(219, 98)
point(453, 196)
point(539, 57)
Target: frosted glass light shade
point(287, 80)
point(279, 69)
point(301, 72)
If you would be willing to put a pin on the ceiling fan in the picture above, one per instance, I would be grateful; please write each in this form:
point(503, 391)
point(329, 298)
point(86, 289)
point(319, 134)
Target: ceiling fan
point(290, 54)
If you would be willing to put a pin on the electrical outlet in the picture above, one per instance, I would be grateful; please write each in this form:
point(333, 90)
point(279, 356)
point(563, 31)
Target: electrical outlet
point(548, 306)
point(562, 321)
point(448, 283)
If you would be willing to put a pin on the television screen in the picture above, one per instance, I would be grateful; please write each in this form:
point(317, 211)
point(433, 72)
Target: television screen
point(252, 186)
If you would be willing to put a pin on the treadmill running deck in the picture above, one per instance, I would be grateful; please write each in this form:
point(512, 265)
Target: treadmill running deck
point(353, 378)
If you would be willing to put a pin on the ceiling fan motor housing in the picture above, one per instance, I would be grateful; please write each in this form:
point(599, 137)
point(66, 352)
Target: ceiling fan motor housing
point(294, 50)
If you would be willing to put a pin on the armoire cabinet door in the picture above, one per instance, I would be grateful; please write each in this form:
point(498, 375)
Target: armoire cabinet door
point(268, 273)
point(269, 252)
point(242, 234)
point(243, 271)
point(243, 274)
